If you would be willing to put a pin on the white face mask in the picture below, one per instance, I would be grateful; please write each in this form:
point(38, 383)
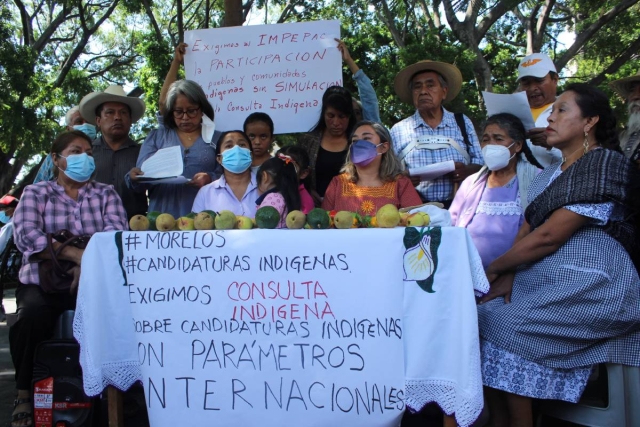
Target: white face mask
point(497, 157)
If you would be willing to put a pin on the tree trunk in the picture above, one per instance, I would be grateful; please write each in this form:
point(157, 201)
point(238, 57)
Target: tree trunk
point(232, 13)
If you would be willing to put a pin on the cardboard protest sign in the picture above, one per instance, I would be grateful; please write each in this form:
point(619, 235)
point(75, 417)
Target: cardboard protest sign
point(282, 70)
point(234, 330)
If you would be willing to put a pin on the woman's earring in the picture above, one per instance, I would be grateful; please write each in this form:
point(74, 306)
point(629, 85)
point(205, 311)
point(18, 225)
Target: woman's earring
point(585, 144)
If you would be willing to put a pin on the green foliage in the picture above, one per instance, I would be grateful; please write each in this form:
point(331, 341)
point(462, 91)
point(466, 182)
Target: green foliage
point(48, 66)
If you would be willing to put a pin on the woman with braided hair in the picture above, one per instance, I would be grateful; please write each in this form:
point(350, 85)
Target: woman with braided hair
point(566, 296)
point(491, 203)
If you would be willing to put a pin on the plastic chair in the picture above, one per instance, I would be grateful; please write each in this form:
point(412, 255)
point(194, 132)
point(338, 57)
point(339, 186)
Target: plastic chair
point(622, 410)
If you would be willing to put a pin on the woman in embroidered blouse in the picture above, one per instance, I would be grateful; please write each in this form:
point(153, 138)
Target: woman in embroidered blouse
point(491, 202)
point(372, 175)
point(328, 142)
point(236, 190)
point(185, 121)
point(73, 201)
point(565, 296)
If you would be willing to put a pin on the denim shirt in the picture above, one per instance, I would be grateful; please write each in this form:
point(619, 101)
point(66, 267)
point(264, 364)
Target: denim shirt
point(368, 98)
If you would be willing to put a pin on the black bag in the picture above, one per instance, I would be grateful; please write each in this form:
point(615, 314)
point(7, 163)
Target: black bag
point(10, 263)
point(54, 273)
point(57, 386)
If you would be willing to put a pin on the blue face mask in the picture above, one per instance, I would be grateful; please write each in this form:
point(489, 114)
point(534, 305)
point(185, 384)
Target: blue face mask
point(88, 129)
point(4, 218)
point(236, 159)
point(80, 167)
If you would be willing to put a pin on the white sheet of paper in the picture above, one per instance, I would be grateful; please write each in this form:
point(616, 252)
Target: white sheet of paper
point(166, 163)
point(170, 180)
point(433, 171)
point(516, 104)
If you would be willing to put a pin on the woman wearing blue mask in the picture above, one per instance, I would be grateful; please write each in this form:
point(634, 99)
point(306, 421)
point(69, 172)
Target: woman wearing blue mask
point(74, 202)
point(236, 190)
point(491, 202)
point(372, 175)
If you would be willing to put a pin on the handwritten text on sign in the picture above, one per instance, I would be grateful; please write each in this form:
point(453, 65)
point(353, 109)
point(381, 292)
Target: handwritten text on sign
point(234, 330)
point(282, 70)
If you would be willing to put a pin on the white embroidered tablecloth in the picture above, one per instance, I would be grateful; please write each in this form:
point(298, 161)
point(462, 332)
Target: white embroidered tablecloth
point(439, 328)
point(442, 352)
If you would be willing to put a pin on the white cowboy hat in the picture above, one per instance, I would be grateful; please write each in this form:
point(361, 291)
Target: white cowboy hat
point(623, 86)
point(449, 72)
point(113, 93)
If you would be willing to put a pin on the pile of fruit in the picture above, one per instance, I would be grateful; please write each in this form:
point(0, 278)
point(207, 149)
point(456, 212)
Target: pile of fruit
point(268, 217)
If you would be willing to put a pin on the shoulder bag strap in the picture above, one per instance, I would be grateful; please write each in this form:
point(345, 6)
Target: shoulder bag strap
point(463, 128)
point(406, 150)
point(440, 142)
point(55, 254)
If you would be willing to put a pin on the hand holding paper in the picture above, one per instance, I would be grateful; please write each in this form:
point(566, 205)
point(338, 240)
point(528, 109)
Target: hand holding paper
point(164, 167)
point(433, 171)
point(516, 104)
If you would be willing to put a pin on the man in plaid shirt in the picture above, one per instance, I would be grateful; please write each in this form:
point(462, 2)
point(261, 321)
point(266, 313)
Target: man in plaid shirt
point(426, 85)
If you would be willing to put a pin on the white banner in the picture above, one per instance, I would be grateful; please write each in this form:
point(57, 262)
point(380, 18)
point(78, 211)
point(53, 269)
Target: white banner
point(234, 330)
point(281, 69)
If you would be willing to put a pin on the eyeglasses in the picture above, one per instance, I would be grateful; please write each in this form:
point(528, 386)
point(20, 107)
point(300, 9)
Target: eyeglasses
point(191, 113)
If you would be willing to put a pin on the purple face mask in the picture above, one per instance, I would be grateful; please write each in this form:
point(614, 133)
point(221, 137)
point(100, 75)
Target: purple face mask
point(363, 152)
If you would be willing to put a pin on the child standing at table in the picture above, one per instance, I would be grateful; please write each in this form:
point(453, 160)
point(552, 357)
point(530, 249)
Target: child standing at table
point(278, 182)
point(259, 128)
point(301, 158)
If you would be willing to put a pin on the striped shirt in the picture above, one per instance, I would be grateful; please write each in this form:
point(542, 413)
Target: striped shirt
point(45, 208)
point(408, 130)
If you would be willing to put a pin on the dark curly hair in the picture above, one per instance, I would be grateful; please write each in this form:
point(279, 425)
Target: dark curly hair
point(593, 102)
point(514, 127)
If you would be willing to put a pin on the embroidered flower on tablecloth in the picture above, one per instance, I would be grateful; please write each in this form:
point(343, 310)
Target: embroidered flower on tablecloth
point(367, 207)
point(421, 256)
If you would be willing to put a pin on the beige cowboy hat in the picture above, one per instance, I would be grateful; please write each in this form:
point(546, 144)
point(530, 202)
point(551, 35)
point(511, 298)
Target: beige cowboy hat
point(623, 86)
point(113, 93)
point(449, 72)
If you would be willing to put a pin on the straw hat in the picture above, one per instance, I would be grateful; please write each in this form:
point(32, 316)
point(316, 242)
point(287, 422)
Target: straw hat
point(449, 72)
point(113, 93)
point(623, 86)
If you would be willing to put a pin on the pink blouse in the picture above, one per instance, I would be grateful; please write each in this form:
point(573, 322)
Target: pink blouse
point(277, 201)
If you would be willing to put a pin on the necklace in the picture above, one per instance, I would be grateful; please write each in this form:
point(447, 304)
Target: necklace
point(565, 158)
point(188, 136)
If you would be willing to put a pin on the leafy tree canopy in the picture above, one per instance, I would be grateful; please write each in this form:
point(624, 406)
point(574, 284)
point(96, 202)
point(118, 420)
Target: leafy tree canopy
point(53, 53)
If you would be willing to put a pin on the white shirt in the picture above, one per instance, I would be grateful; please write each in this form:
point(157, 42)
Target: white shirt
point(218, 196)
point(543, 156)
point(5, 234)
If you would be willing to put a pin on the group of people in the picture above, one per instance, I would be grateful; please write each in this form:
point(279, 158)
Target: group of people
point(553, 210)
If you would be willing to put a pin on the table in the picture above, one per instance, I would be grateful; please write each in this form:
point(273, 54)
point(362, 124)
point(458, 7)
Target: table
point(274, 327)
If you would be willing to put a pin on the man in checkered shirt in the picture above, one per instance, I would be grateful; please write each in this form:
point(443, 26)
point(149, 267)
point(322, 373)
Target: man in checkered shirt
point(426, 85)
